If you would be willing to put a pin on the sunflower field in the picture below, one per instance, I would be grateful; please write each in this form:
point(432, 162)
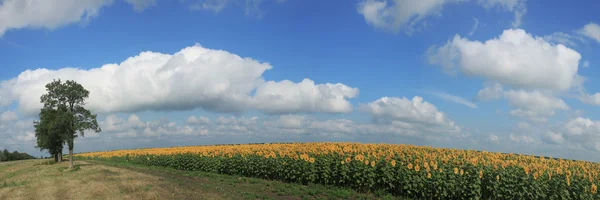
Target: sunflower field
point(403, 170)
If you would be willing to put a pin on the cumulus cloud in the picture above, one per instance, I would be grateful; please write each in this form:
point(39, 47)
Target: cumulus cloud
point(289, 121)
point(403, 110)
point(490, 92)
point(522, 139)
point(593, 99)
point(591, 30)
point(53, 14)
point(396, 15)
point(582, 132)
point(553, 138)
point(114, 126)
point(195, 77)
point(515, 59)
point(284, 125)
point(306, 96)
point(48, 14)
point(533, 105)
point(201, 120)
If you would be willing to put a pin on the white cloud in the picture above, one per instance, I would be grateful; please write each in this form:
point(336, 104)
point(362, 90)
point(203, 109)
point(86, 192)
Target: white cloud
point(116, 126)
point(195, 77)
point(516, 58)
point(592, 99)
point(493, 138)
point(25, 137)
point(289, 121)
point(582, 132)
point(306, 96)
point(396, 15)
point(8, 116)
point(522, 139)
point(475, 26)
point(48, 14)
point(141, 5)
point(533, 105)
point(454, 98)
point(553, 138)
point(406, 110)
point(490, 92)
point(563, 38)
point(250, 7)
point(53, 14)
point(201, 120)
point(591, 30)
point(518, 7)
point(579, 126)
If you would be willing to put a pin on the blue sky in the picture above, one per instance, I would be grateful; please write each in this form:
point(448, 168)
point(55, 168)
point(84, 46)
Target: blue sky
point(433, 60)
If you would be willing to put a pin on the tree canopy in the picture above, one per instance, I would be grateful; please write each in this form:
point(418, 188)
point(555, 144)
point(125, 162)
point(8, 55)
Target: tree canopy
point(63, 118)
point(15, 155)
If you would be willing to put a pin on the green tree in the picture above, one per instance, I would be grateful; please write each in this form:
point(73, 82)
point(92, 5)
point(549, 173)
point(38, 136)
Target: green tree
point(50, 133)
point(65, 102)
point(3, 155)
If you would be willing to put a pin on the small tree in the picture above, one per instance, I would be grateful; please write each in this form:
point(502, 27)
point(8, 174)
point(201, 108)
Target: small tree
point(67, 115)
point(50, 134)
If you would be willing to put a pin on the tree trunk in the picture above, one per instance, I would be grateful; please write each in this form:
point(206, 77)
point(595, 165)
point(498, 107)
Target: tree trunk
point(60, 157)
point(56, 157)
point(70, 158)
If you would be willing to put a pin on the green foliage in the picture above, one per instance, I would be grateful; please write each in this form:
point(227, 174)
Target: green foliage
point(63, 117)
point(15, 155)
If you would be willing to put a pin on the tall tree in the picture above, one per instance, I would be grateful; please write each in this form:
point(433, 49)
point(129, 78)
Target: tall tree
point(66, 102)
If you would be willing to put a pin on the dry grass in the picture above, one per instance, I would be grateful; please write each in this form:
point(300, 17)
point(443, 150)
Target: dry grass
point(104, 180)
point(25, 180)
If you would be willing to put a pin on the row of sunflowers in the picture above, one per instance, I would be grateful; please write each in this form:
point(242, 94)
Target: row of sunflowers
point(403, 170)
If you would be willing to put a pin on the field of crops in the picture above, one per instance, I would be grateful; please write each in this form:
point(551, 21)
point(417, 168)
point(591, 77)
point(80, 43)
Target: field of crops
point(403, 170)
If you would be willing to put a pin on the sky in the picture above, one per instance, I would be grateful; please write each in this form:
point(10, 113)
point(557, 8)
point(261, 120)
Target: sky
point(517, 76)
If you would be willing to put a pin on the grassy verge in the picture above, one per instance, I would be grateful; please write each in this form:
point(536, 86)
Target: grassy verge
point(234, 187)
point(105, 180)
